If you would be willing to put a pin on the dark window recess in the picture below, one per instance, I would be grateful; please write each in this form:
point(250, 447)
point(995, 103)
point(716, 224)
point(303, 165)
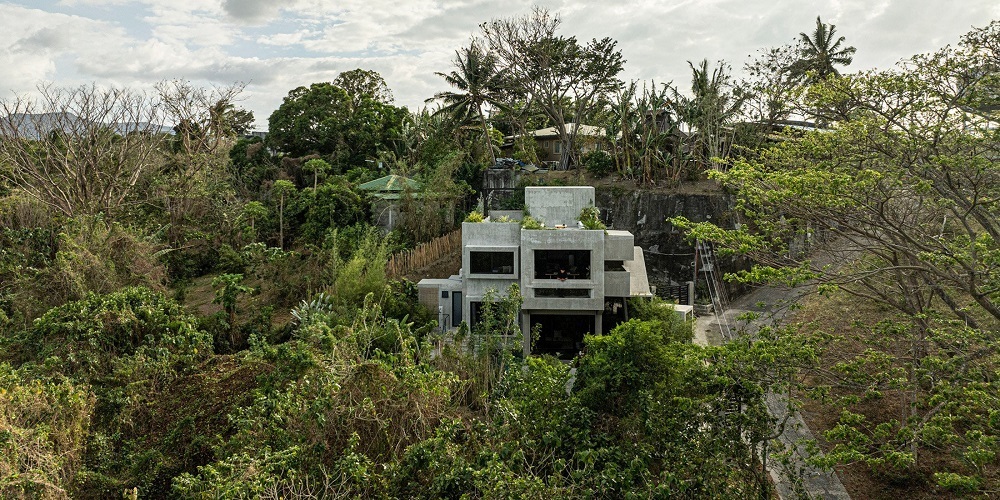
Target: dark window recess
point(560, 335)
point(444, 294)
point(574, 293)
point(456, 308)
point(491, 262)
point(614, 265)
point(562, 264)
point(475, 309)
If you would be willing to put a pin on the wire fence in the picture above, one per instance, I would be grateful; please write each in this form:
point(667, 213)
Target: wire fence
point(424, 254)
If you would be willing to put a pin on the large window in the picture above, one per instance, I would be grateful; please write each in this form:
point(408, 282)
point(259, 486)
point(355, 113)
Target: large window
point(563, 293)
point(491, 262)
point(562, 264)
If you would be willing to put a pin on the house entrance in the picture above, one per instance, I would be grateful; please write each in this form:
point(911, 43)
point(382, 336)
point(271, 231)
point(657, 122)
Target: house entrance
point(561, 335)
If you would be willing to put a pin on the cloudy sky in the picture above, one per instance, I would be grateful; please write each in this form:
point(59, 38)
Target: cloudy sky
point(277, 45)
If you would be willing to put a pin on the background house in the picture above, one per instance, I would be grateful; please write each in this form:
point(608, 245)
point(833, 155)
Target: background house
point(385, 194)
point(550, 147)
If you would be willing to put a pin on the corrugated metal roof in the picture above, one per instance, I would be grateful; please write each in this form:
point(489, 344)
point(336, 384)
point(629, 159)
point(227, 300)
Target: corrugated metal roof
point(390, 183)
point(581, 129)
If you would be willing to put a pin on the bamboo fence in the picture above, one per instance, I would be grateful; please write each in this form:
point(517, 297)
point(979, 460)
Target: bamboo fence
point(424, 254)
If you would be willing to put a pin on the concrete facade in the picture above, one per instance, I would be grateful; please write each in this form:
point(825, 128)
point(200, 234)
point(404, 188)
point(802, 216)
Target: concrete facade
point(568, 276)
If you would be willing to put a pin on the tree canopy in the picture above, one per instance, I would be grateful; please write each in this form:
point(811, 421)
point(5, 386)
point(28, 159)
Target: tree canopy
point(567, 79)
point(349, 120)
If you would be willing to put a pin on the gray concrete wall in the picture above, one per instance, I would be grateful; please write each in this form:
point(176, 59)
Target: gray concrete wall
point(618, 245)
point(562, 239)
point(511, 214)
point(616, 284)
point(558, 205)
point(490, 234)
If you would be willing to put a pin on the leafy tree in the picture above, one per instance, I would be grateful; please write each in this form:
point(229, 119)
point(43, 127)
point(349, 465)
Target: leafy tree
point(329, 207)
point(192, 187)
point(310, 120)
point(230, 287)
point(643, 129)
point(819, 54)
point(363, 85)
point(901, 197)
point(318, 167)
point(770, 94)
point(253, 212)
point(565, 78)
point(250, 166)
point(710, 111)
point(347, 125)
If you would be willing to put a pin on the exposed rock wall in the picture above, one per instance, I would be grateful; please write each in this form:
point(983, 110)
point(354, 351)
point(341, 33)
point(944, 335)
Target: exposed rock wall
point(669, 256)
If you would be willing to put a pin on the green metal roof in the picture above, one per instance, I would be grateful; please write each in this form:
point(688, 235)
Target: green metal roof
point(390, 183)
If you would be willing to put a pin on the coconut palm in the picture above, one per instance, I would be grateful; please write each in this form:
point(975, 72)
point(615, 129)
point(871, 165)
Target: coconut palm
point(820, 54)
point(478, 83)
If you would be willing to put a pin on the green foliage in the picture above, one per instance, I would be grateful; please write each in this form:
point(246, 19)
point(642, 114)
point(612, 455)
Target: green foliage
point(479, 83)
point(348, 124)
point(475, 216)
point(318, 168)
point(89, 254)
point(529, 222)
point(135, 330)
point(44, 428)
point(327, 207)
point(253, 216)
point(842, 191)
point(250, 166)
point(661, 315)
point(228, 289)
point(131, 347)
point(590, 217)
point(598, 163)
point(342, 394)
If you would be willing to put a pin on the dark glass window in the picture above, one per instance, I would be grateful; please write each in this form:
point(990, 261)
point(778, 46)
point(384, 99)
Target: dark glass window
point(575, 293)
point(475, 308)
point(491, 262)
point(444, 294)
point(562, 264)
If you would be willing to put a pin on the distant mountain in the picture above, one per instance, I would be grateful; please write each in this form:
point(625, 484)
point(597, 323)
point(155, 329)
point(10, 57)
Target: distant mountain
point(34, 126)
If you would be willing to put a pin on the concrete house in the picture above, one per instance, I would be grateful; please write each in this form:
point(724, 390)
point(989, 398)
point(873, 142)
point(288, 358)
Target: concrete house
point(574, 281)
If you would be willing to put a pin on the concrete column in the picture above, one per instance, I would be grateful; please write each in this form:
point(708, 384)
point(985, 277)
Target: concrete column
point(526, 332)
point(598, 322)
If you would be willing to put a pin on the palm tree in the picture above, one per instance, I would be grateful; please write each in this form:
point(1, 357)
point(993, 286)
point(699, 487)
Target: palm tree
point(819, 54)
point(478, 83)
point(710, 111)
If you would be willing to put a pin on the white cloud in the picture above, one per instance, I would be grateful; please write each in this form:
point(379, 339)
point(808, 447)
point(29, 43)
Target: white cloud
point(278, 45)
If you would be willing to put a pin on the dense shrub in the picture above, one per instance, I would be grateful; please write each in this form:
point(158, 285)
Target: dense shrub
point(43, 429)
point(89, 255)
point(135, 331)
point(599, 163)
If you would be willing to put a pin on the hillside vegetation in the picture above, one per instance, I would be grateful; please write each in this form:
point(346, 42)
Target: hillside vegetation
point(187, 311)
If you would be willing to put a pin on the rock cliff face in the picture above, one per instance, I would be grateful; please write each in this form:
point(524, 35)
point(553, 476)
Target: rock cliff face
point(645, 214)
point(669, 256)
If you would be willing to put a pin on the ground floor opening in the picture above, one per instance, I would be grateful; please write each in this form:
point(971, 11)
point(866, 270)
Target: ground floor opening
point(560, 335)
